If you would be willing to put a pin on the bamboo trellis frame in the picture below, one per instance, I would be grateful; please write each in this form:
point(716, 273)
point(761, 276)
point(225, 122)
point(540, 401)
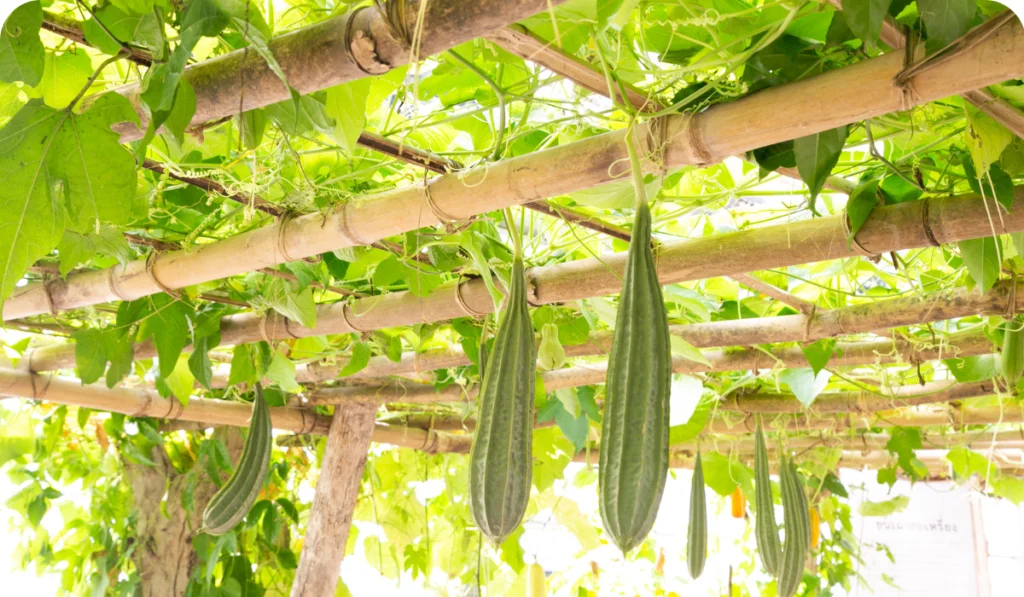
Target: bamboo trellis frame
point(813, 105)
point(906, 225)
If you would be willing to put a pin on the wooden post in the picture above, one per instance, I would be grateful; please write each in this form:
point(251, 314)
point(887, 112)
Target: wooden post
point(341, 473)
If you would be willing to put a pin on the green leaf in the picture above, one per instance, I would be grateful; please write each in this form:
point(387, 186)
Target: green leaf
point(31, 217)
point(689, 409)
point(863, 201)
point(966, 463)
point(981, 257)
point(724, 474)
point(995, 184)
point(682, 348)
point(243, 370)
point(357, 361)
point(294, 304)
point(168, 326)
point(16, 435)
point(973, 368)
point(896, 504)
point(571, 404)
point(119, 351)
point(902, 442)
point(142, 30)
point(575, 428)
point(805, 383)
point(181, 112)
point(1010, 488)
point(282, 372)
point(986, 139)
point(181, 382)
point(864, 17)
point(22, 56)
point(616, 195)
point(90, 356)
point(817, 155)
point(818, 353)
point(199, 361)
point(346, 104)
point(64, 77)
point(45, 151)
point(945, 20)
point(76, 248)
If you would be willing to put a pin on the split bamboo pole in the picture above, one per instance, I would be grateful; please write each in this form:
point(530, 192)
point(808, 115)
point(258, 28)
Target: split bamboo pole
point(766, 117)
point(363, 42)
point(998, 109)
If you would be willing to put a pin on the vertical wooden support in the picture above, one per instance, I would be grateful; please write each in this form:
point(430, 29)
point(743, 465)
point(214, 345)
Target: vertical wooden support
point(341, 473)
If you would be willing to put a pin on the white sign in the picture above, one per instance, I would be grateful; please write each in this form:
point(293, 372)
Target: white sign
point(931, 542)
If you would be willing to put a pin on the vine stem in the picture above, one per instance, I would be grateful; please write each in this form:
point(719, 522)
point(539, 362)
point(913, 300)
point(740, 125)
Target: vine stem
point(499, 134)
point(513, 231)
point(634, 165)
point(92, 79)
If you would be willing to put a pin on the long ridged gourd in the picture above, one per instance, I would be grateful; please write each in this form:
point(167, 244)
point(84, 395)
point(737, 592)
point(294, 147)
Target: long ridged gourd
point(235, 498)
point(634, 433)
point(697, 535)
point(803, 506)
point(794, 551)
point(501, 459)
point(1011, 360)
point(766, 529)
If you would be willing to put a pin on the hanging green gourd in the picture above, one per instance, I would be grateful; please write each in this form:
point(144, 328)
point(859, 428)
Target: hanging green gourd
point(633, 462)
point(501, 457)
point(1011, 360)
point(550, 354)
point(798, 536)
point(235, 498)
point(697, 537)
point(766, 530)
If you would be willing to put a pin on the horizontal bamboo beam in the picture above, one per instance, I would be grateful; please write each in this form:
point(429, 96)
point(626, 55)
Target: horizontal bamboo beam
point(938, 466)
point(516, 40)
point(141, 402)
point(394, 309)
point(864, 442)
point(145, 403)
point(336, 50)
point(847, 354)
point(998, 109)
point(769, 116)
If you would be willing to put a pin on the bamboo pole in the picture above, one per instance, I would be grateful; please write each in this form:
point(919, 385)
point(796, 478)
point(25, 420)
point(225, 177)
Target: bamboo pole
point(998, 109)
point(934, 461)
point(846, 354)
point(141, 402)
point(399, 309)
point(145, 403)
point(337, 491)
point(347, 47)
point(864, 442)
point(770, 116)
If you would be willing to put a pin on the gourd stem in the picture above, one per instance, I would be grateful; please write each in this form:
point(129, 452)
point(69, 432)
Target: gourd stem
point(634, 165)
point(513, 231)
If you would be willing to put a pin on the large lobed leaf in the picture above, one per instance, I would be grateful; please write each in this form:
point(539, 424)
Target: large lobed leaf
point(59, 168)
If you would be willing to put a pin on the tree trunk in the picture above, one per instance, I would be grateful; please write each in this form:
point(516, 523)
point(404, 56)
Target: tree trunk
point(164, 554)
